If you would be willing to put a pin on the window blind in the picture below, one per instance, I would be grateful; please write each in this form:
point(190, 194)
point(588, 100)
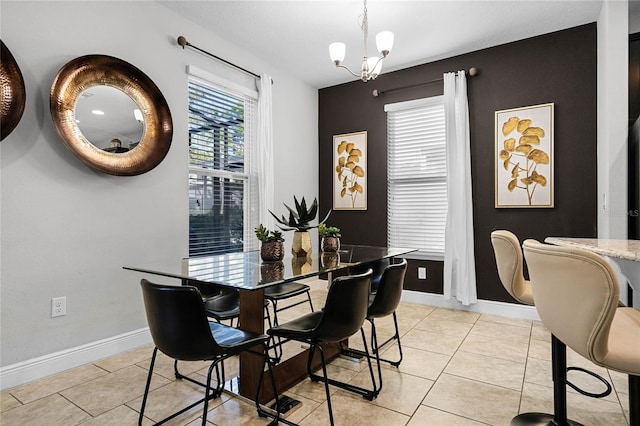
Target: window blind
point(416, 175)
point(222, 181)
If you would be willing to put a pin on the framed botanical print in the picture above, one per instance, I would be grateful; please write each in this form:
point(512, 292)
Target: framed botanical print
point(524, 160)
point(350, 171)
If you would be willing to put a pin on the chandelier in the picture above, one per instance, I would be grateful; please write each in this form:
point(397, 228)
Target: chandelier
point(372, 66)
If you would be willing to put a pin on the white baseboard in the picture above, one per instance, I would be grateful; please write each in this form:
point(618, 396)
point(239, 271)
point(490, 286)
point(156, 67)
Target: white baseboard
point(511, 310)
point(46, 365)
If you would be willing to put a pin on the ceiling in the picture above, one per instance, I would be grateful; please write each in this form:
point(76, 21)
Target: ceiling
point(295, 35)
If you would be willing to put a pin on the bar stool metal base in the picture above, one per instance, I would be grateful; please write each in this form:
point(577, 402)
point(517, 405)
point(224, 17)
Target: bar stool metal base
point(540, 419)
point(559, 372)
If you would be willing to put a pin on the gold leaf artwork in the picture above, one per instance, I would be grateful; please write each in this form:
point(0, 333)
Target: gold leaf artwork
point(349, 171)
point(522, 160)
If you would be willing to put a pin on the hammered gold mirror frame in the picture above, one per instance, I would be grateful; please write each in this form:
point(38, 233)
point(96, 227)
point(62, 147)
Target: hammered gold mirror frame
point(12, 92)
point(83, 73)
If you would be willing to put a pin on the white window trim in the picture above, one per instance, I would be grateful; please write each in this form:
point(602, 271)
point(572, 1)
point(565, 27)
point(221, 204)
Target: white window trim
point(221, 83)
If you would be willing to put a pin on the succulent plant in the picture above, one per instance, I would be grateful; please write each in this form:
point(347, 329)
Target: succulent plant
point(300, 217)
point(328, 231)
point(267, 236)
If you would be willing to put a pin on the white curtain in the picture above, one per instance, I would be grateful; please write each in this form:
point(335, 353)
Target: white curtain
point(265, 151)
point(459, 260)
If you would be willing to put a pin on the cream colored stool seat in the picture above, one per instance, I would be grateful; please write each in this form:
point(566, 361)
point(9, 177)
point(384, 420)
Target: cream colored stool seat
point(576, 294)
point(508, 252)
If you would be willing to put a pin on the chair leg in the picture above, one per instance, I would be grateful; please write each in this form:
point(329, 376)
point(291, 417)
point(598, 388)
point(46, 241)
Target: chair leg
point(310, 302)
point(206, 398)
point(366, 393)
point(276, 346)
point(146, 388)
point(375, 350)
point(326, 384)
point(262, 413)
point(634, 400)
point(374, 393)
point(181, 376)
point(376, 347)
point(206, 391)
point(397, 336)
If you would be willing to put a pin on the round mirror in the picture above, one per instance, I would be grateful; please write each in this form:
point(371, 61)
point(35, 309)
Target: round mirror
point(12, 93)
point(111, 115)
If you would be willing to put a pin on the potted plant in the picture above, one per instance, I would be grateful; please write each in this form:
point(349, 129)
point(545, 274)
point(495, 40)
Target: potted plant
point(272, 247)
point(299, 221)
point(330, 238)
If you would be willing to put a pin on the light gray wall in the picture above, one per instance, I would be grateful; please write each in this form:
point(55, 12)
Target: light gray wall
point(67, 230)
point(613, 118)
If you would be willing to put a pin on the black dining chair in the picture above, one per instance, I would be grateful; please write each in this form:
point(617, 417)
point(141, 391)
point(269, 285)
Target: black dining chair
point(281, 292)
point(382, 303)
point(343, 315)
point(223, 304)
point(181, 330)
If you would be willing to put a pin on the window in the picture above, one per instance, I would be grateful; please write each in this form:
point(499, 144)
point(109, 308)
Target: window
point(222, 182)
point(416, 175)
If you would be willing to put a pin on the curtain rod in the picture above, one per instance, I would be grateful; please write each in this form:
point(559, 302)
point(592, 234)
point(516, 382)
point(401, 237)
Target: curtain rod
point(183, 42)
point(472, 71)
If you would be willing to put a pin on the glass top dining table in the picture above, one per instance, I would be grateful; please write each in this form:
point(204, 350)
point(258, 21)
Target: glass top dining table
point(246, 271)
point(250, 276)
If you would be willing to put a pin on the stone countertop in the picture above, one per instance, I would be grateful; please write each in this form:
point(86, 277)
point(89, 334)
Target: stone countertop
point(622, 249)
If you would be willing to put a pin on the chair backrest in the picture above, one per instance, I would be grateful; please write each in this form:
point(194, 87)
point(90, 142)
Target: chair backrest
point(506, 248)
point(345, 308)
point(389, 290)
point(177, 322)
point(377, 267)
point(576, 294)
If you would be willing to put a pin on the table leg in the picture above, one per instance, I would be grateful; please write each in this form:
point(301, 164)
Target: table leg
point(251, 319)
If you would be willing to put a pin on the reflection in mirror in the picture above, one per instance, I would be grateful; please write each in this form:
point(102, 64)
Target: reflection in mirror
point(107, 117)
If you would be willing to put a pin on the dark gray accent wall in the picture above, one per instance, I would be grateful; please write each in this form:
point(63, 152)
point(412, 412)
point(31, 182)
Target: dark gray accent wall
point(558, 67)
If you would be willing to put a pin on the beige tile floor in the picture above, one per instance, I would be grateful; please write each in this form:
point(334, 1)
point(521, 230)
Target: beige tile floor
point(459, 368)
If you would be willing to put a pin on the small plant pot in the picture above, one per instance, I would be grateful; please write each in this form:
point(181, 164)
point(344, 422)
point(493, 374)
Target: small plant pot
point(301, 244)
point(272, 251)
point(330, 244)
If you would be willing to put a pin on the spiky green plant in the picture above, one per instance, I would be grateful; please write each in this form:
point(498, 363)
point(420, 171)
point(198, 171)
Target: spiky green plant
point(262, 234)
point(300, 217)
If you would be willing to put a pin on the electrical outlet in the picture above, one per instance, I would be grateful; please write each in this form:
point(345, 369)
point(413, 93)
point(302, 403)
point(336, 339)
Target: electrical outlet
point(58, 306)
point(422, 273)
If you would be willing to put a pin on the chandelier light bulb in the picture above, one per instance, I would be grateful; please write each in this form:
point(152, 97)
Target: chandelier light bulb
point(337, 52)
point(384, 42)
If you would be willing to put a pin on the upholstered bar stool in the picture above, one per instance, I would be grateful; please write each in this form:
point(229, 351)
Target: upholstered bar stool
point(576, 294)
point(508, 252)
point(510, 265)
